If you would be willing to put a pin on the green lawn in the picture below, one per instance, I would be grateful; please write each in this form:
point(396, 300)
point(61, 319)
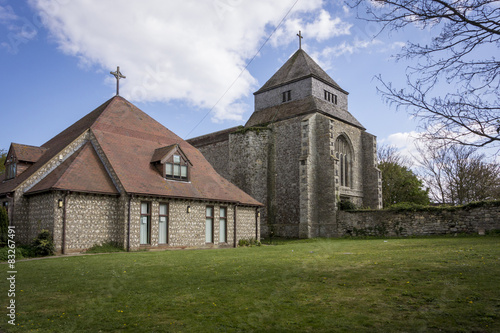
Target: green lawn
point(446, 284)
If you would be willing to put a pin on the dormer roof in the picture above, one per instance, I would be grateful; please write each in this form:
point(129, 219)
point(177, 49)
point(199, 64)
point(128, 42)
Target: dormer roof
point(162, 153)
point(25, 153)
point(298, 67)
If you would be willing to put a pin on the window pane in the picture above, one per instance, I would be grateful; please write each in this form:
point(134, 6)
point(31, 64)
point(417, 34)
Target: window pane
point(177, 159)
point(208, 231)
point(144, 208)
point(168, 169)
point(144, 230)
point(210, 211)
point(162, 237)
point(222, 231)
point(163, 209)
point(184, 171)
point(177, 170)
point(222, 212)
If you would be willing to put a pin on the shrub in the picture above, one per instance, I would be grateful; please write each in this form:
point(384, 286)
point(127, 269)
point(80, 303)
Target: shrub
point(249, 242)
point(347, 205)
point(43, 244)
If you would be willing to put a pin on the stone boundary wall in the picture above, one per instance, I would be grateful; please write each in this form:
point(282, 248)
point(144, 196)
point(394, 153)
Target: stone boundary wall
point(467, 219)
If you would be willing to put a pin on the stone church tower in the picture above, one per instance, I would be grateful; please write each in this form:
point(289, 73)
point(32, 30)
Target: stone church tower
point(300, 153)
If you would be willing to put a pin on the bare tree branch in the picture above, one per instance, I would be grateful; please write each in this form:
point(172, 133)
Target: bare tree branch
point(462, 54)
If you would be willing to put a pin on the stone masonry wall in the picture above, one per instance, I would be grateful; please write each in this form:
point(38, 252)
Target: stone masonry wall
point(284, 175)
point(299, 90)
point(188, 229)
point(91, 220)
point(372, 177)
point(217, 155)
point(439, 222)
point(42, 210)
point(249, 163)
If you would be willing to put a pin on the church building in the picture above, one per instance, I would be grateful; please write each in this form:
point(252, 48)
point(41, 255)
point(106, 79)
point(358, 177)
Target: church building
point(301, 153)
point(117, 175)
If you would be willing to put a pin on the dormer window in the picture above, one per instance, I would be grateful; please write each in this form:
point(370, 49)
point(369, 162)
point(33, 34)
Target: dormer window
point(330, 97)
point(176, 168)
point(10, 168)
point(287, 96)
point(172, 163)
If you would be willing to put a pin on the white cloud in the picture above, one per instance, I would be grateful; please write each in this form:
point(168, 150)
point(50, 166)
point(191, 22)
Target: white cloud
point(318, 25)
point(404, 142)
point(346, 49)
point(171, 50)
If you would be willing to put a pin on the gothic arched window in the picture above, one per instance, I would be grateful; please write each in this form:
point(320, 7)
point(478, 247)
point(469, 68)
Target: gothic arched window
point(344, 155)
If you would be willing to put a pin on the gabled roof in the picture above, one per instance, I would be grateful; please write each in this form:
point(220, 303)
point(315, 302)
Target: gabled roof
point(25, 153)
point(301, 107)
point(128, 138)
point(298, 67)
point(81, 172)
point(54, 146)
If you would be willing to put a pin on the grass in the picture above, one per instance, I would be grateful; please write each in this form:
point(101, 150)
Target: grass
point(431, 284)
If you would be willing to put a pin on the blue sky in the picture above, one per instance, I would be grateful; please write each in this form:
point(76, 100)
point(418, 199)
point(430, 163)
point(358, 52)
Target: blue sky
point(180, 58)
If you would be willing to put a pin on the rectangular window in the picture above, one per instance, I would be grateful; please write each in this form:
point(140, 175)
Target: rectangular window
point(145, 223)
point(209, 224)
point(10, 171)
point(223, 225)
point(287, 96)
point(177, 159)
point(177, 170)
point(169, 169)
point(184, 171)
point(163, 224)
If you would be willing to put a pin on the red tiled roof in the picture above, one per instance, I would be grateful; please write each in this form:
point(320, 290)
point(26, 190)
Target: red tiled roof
point(27, 153)
point(54, 146)
point(81, 172)
point(129, 138)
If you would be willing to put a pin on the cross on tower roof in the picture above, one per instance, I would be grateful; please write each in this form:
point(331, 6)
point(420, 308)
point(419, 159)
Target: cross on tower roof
point(300, 39)
point(118, 76)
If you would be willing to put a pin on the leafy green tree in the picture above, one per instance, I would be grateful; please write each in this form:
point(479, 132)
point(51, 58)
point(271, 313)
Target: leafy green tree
point(3, 156)
point(399, 182)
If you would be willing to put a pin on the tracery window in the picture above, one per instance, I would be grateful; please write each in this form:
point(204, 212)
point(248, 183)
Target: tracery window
point(344, 155)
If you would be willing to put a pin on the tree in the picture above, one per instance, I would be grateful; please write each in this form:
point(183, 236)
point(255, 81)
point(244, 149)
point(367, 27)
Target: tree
point(461, 55)
point(458, 174)
point(3, 156)
point(399, 183)
point(4, 226)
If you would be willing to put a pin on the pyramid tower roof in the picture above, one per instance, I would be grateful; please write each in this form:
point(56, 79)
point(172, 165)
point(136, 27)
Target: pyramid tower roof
point(298, 67)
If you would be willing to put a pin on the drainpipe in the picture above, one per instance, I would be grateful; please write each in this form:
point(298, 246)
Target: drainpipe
point(257, 224)
point(63, 249)
point(235, 211)
point(128, 222)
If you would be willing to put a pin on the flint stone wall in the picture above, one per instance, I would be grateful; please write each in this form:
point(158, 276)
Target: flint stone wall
point(420, 223)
